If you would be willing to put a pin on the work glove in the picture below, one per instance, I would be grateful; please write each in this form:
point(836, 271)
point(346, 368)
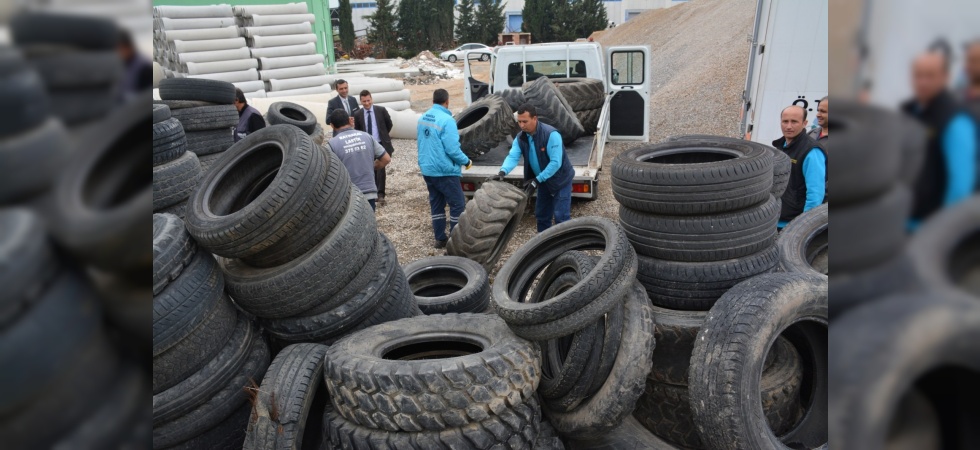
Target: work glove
point(530, 186)
point(498, 177)
point(468, 164)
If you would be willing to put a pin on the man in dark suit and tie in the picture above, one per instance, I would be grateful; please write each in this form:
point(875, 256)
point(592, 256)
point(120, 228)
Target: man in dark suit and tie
point(376, 121)
point(342, 100)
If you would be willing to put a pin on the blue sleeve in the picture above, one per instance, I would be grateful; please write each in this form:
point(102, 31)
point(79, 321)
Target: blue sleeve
point(815, 175)
point(554, 157)
point(512, 158)
point(960, 149)
point(450, 142)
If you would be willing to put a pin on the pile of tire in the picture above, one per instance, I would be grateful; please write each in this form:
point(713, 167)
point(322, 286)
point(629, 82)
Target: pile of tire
point(449, 284)
point(205, 353)
point(206, 112)
point(176, 171)
point(488, 223)
point(591, 318)
point(281, 221)
point(585, 97)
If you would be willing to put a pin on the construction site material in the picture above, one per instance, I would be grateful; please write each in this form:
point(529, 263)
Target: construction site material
point(231, 77)
point(298, 83)
point(280, 41)
point(278, 30)
point(289, 61)
point(397, 106)
point(308, 48)
point(293, 72)
point(295, 92)
point(214, 56)
point(192, 68)
point(259, 20)
point(288, 8)
point(182, 46)
point(194, 24)
point(190, 12)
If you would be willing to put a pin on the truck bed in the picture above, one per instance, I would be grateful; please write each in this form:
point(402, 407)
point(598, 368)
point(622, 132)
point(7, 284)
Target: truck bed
point(578, 153)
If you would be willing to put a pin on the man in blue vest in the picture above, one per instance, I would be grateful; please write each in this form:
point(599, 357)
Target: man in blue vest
point(250, 119)
point(808, 176)
point(546, 167)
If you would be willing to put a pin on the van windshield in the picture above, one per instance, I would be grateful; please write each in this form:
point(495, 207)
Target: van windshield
point(550, 69)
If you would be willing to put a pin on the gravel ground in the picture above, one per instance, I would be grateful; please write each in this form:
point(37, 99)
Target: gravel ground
point(699, 60)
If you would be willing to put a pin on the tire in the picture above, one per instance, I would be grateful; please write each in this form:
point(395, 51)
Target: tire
point(629, 435)
point(453, 387)
point(205, 118)
point(292, 114)
point(452, 58)
point(913, 148)
point(485, 58)
point(553, 109)
point(68, 30)
point(24, 93)
point(227, 435)
point(448, 284)
point(851, 183)
point(702, 238)
point(111, 423)
point(727, 361)
point(69, 70)
point(46, 149)
point(876, 231)
point(161, 112)
point(177, 210)
point(314, 278)
point(210, 142)
point(488, 223)
point(282, 221)
point(589, 119)
point(617, 397)
point(674, 334)
point(290, 404)
point(199, 89)
point(128, 306)
point(802, 240)
point(169, 142)
point(547, 438)
point(27, 263)
point(781, 168)
point(173, 250)
point(884, 379)
point(181, 104)
point(78, 107)
point(693, 177)
point(582, 93)
point(513, 97)
point(174, 181)
point(941, 248)
point(484, 125)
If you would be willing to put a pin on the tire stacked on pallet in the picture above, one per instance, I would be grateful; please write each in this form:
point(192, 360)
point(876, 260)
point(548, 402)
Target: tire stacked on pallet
point(592, 319)
point(205, 354)
point(206, 113)
point(176, 171)
point(281, 221)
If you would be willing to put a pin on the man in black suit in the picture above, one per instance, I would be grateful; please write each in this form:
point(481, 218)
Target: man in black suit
point(375, 120)
point(342, 100)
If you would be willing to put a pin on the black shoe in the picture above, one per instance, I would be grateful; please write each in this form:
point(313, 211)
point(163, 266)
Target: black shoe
point(440, 244)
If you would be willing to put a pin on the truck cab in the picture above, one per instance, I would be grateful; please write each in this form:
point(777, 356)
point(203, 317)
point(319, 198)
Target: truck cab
point(625, 114)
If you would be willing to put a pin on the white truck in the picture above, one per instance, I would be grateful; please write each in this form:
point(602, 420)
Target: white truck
point(625, 115)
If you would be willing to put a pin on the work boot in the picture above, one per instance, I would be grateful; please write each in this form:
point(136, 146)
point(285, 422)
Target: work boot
point(440, 244)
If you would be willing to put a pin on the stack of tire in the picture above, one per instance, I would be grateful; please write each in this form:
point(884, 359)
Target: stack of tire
point(591, 318)
point(585, 96)
point(282, 221)
point(206, 113)
point(205, 354)
point(176, 171)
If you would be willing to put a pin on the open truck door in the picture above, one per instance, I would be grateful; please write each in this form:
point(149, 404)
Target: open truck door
point(628, 80)
point(474, 89)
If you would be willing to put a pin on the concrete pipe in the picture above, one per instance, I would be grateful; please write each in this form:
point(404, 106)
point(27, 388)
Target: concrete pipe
point(298, 83)
point(250, 86)
point(257, 94)
point(390, 96)
point(213, 56)
point(208, 45)
point(196, 24)
point(262, 20)
point(375, 85)
point(198, 35)
point(193, 12)
point(404, 124)
point(220, 66)
point(303, 91)
point(342, 76)
point(231, 77)
point(281, 52)
point(279, 30)
point(289, 61)
point(288, 8)
point(280, 41)
point(293, 72)
point(397, 106)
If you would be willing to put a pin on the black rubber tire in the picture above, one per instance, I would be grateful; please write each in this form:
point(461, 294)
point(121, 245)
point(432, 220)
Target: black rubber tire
point(26, 102)
point(169, 142)
point(702, 238)
point(696, 286)
point(28, 264)
point(287, 218)
point(691, 178)
point(601, 289)
point(181, 104)
point(128, 306)
point(483, 371)
point(875, 231)
point(675, 333)
point(102, 202)
point(69, 70)
point(161, 112)
point(314, 278)
point(488, 223)
point(174, 181)
point(291, 114)
point(726, 363)
point(173, 249)
point(448, 284)
point(513, 97)
point(113, 421)
point(452, 58)
point(782, 166)
point(617, 397)
point(207, 161)
point(516, 427)
point(589, 119)
point(289, 405)
point(943, 249)
point(210, 142)
point(199, 89)
point(803, 239)
point(854, 128)
point(60, 29)
point(582, 93)
point(484, 124)
point(177, 210)
point(873, 341)
point(629, 435)
point(553, 109)
point(85, 107)
point(207, 117)
point(227, 435)
point(547, 438)
point(913, 148)
point(45, 149)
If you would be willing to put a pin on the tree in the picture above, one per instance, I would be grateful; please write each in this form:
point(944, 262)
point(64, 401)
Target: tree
point(346, 26)
point(539, 18)
point(467, 29)
point(590, 16)
point(412, 30)
point(490, 21)
point(382, 29)
point(444, 13)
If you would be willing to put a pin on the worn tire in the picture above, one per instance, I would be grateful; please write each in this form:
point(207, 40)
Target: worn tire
point(46, 149)
point(177, 210)
point(941, 250)
point(702, 238)
point(205, 118)
point(28, 264)
point(629, 435)
point(854, 128)
point(675, 334)
point(69, 70)
point(782, 166)
point(448, 284)
point(120, 417)
point(513, 97)
point(199, 89)
point(693, 177)
point(589, 119)
point(453, 388)
point(582, 93)
point(174, 181)
point(181, 104)
point(802, 241)
point(726, 363)
point(25, 98)
point(210, 142)
point(207, 161)
point(61, 29)
point(169, 142)
point(488, 223)
point(875, 231)
point(161, 112)
point(173, 250)
point(291, 114)
point(553, 109)
point(484, 125)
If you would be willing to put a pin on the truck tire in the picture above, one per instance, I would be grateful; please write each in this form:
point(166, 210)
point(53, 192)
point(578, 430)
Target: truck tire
point(291, 114)
point(209, 142)
point(702, 238)
point(46, 149)
point(199, 89)
point(589, 119)
point(169, 142)
point(548, 438)
point(161, 112)
point(448, 284)
point(27, 262)
point(205, 118)
point(484, 125)
point(693, 177)
point(582, 93)
point(174, 181)
point(696, 286)
point(876, 231)
point(488, 223)
point(173, 249)
point(513, 97)
point(467, 353)
point(724, 377)
point(802, 242)
point(553, 109)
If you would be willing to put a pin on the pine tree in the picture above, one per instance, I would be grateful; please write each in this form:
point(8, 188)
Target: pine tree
point(381, 33)
point(467, 29)
point(445, 14)
point(412, 24)
point(346, 26)
point(490, 21)
point(539, 16)
point(590, 16)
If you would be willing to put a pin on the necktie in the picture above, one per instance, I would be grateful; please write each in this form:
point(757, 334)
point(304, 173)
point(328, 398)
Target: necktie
point(346, 105)
point(368, 120)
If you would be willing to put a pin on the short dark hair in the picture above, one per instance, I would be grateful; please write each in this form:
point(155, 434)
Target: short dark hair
point(365, 93)
point(339, 118)
point(240, 96)
point(126, 38)
point(339, 82)
point(440, 96)
point(527, 108)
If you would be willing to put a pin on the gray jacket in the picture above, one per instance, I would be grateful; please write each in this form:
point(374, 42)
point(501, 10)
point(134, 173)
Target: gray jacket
point(358, 150)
